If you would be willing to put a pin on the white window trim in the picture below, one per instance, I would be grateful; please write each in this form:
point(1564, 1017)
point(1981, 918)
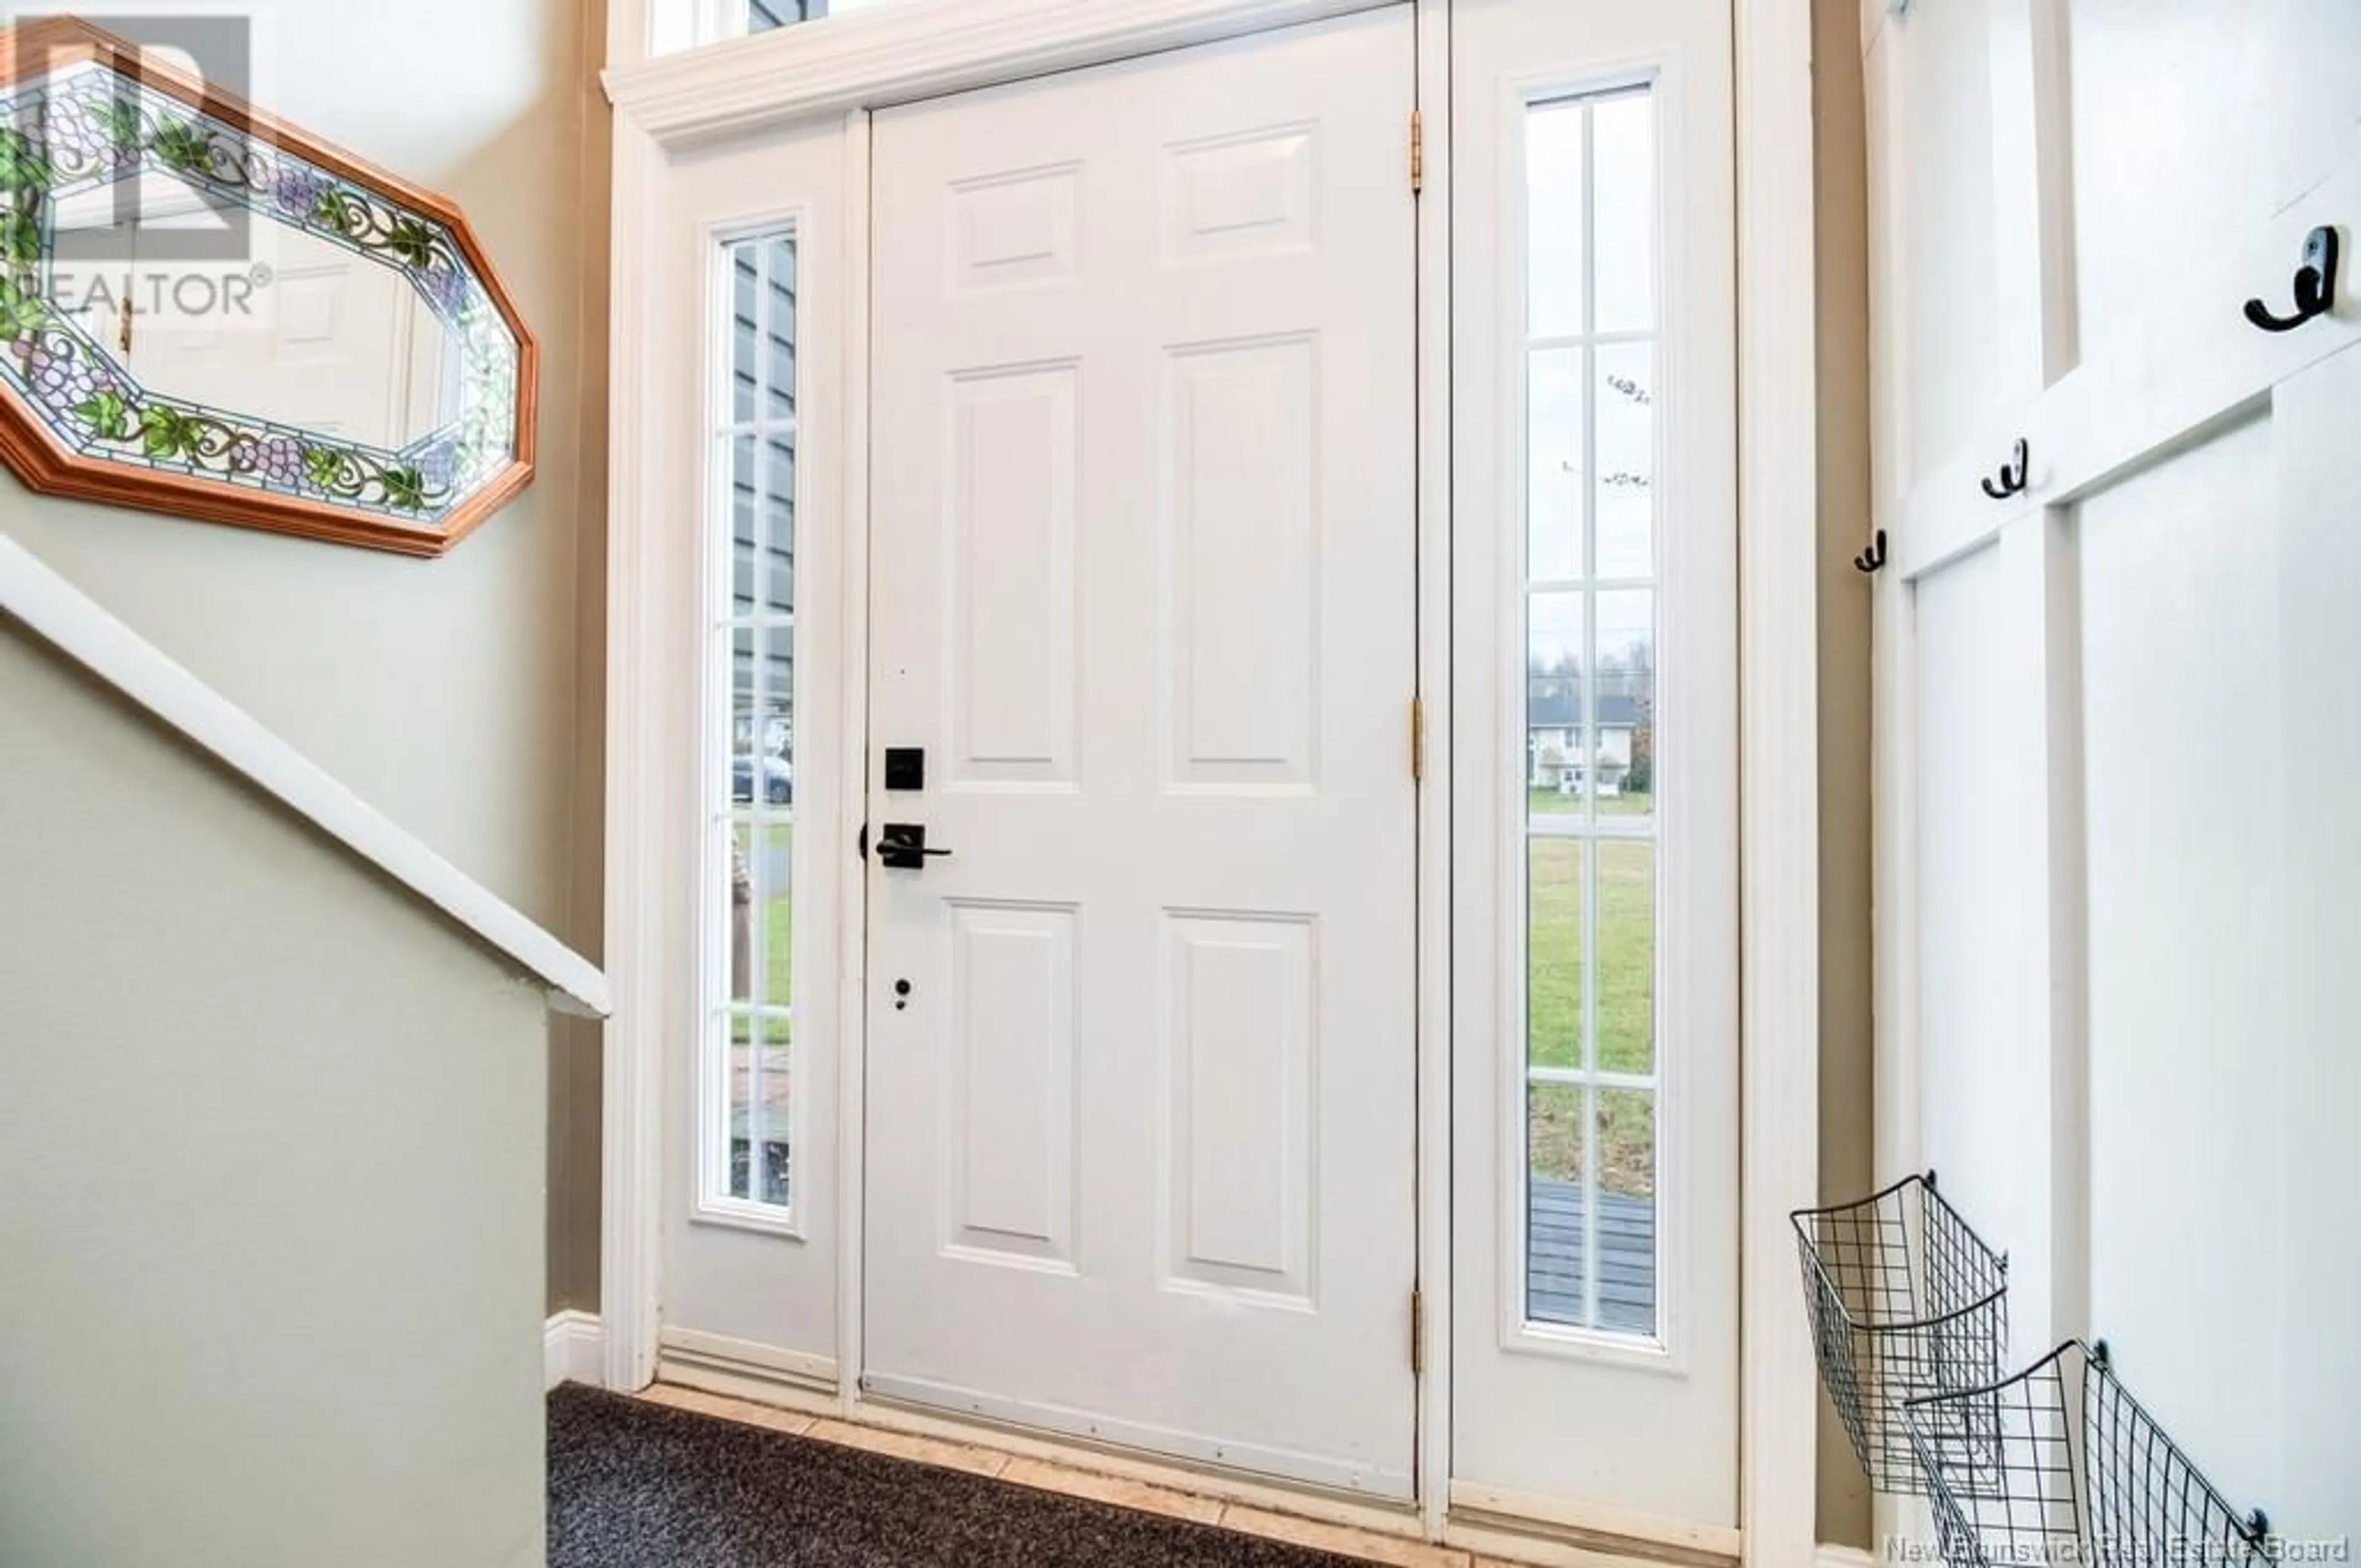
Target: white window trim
point(712, 1203)
point(922, 48)
point(1664, 1353)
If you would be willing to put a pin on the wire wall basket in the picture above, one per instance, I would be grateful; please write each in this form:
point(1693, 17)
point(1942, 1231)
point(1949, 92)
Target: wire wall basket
point(1906, 1301)
point(2060, 1466)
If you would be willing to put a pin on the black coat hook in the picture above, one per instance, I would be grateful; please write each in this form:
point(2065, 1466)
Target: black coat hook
point(2315, 285)
point(1867, 561)
point(2011, 478)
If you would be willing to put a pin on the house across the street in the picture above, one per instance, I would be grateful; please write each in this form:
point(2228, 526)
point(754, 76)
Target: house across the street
point(1553, 754)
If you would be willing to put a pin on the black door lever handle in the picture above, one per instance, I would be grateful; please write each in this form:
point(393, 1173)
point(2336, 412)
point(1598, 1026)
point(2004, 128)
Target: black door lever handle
point(902, 847)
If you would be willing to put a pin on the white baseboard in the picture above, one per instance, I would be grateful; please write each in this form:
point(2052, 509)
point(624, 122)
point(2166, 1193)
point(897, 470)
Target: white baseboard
point(573, 1350)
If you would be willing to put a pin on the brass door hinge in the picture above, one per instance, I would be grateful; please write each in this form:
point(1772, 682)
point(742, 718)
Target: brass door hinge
point(1418, 740)
point(1417, 1333)
point(1417, 152)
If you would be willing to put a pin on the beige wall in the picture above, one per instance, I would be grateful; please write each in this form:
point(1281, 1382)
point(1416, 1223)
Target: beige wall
point(1847, 1060)
point(270, 1168)
point(462, 698)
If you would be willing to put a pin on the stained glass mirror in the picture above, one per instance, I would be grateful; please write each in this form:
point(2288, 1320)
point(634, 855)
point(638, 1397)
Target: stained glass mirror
point(206, 312)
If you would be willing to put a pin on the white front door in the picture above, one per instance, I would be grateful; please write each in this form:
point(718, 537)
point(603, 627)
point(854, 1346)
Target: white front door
point(1141, 1054)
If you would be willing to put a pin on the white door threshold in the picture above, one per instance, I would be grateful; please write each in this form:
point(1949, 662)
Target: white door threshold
point(1282, 1467)
point(1310, 1516)
point(987, 1447)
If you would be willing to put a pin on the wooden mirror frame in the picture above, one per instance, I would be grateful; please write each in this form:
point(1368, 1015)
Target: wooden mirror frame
point(34, 450)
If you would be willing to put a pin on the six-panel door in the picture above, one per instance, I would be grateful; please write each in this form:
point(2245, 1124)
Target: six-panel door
point(1140, 1089)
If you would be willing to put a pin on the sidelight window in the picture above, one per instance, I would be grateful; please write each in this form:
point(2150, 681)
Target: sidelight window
point(1589, 824)
point(750, 744)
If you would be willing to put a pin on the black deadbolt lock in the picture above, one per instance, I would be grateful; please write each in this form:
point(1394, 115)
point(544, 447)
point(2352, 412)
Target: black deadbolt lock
point(906, 767)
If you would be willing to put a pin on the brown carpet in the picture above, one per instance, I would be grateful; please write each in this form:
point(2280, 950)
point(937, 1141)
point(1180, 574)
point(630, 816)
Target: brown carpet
point(633, 1484)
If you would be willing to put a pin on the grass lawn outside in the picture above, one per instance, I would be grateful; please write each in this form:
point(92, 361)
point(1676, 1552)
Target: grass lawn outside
point(1549, 803)
point(1556, 888)
point(762, 948)
point(768, 851)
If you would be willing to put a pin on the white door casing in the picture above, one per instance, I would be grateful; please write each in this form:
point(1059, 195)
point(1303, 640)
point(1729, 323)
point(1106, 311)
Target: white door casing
point(2115, 843)
point(1140, 1136)
point(1639, 1429)
point(669, 112)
